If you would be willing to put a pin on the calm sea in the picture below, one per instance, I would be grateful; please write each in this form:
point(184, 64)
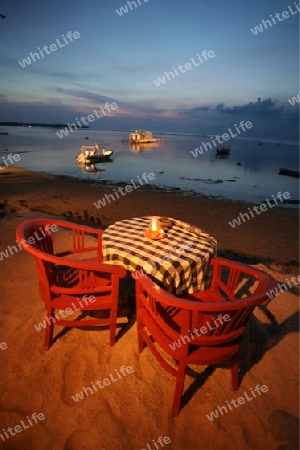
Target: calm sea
point(250, 173)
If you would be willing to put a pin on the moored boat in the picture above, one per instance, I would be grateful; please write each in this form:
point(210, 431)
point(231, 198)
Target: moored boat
point(90, 155)
point(289, 173)
point(223, 150)
point(143, 137)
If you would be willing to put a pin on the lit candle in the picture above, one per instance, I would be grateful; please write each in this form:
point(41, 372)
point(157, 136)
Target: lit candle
point(154, 224)
point(154, 231)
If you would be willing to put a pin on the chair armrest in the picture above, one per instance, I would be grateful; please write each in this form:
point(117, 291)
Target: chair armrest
point(94, 266)
point(168, 299)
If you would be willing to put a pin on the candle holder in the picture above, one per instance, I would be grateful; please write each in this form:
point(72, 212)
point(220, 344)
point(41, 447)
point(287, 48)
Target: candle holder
point(154, 231)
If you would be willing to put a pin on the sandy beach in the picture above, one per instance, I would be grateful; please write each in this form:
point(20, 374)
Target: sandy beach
point(135, 411)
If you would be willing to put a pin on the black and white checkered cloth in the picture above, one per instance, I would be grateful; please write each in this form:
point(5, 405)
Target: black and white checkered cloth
point(179, 262)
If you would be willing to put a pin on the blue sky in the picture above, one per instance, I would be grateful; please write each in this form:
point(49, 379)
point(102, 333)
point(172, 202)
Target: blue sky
point(117, 58)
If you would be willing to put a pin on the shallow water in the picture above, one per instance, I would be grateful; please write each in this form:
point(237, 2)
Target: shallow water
point(250, 173)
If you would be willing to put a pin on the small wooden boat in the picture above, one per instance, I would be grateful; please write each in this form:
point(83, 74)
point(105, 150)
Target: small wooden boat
point(221, 151)
point(89, 155)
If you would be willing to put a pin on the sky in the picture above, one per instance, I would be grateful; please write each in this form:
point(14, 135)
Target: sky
point(118, 56)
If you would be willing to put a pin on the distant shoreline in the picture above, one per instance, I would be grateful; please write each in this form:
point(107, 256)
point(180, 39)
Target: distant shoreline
point(33, 124)
point(278, 141)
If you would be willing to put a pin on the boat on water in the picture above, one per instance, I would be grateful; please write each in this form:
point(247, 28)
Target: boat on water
point(143, 137)
point(289, 173)
point(91, 155)
point(222, 150)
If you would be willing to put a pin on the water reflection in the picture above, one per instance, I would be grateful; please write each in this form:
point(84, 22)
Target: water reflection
point(138, 148)
point(91, 168)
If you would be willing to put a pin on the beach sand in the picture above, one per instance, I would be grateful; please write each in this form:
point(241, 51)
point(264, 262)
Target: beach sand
point(134, 411)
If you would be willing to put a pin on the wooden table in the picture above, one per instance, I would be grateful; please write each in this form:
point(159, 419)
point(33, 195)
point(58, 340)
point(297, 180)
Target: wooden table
point(179, 262)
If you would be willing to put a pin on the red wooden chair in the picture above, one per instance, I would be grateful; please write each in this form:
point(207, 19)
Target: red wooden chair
point(67, 282)
point(204, 328)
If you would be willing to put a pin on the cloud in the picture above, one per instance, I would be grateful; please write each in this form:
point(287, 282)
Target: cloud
point(195, 112)
point(84, 94)
point(260, 109)
point(124, 108)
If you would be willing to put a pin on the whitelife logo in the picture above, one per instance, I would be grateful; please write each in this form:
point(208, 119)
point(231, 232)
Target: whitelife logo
point(18, 428)
point(87, 119)
point(187, 66)
point(67, 312)
point(128, 188)
point(240, 401)
point(259, 209)
point(267, 23)
point(101, 384)
point(53, 48)
point(203, 330)
point(294, 100)
point(30, 241)
point(207, 145)
point(275, 292)
point(124, 9)
point(159, 441)
point(11, 160)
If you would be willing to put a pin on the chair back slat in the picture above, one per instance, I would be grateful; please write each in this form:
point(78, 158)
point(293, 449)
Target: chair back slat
point(213, 328)
point(233, 278)
point(78, 240)
point(158, 315)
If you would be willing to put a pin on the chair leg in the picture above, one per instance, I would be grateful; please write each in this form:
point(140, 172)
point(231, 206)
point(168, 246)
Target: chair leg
point(49, 330)
point(139, 326)
point(235, 372)
point(113, 326)
point(178, 389)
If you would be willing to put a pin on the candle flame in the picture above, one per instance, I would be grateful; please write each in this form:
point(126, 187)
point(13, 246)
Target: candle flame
point(154, 225)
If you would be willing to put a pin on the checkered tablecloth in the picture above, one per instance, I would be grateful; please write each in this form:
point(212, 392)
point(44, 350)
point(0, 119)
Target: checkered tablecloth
point(179, 262)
